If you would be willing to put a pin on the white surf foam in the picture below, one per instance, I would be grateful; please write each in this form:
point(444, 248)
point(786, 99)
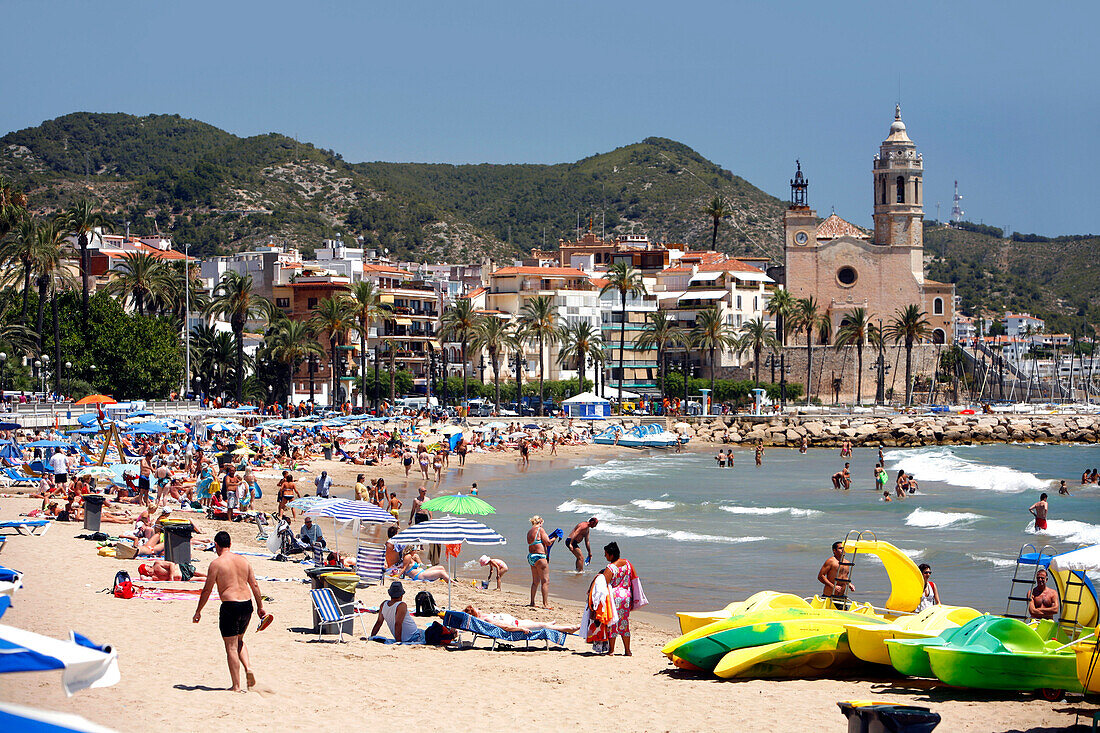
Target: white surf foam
point(768, 510)
point(613, 469)
point(997, 562)
point(1069, 530)
point(652, 503)
point(942, 465)
point(627, 530)
point(589, 510)
point(938, 520)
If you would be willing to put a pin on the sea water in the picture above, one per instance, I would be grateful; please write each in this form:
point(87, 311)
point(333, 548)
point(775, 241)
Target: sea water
point(702, 536)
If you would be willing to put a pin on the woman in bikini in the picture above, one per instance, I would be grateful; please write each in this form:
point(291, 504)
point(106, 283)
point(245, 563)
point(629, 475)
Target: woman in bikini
point(413, 569)
point(437, 464)
point(538, 552)
point(424, 460)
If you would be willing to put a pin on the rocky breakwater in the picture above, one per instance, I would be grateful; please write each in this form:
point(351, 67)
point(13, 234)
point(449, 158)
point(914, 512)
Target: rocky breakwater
point(900, 430)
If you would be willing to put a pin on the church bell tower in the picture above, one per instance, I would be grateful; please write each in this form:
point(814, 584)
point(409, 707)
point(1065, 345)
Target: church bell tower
point(899, 190)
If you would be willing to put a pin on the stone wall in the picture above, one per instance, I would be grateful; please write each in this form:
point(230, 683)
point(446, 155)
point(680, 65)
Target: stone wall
point(829, 362)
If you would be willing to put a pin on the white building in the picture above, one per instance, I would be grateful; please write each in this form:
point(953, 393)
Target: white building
point(1022, 324)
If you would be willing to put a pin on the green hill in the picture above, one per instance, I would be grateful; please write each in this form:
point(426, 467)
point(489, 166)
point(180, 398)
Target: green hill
point(223, 193)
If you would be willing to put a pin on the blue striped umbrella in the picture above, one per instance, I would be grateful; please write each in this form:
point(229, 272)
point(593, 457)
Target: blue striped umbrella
point(449, 531)
point(32, 720)
point(83, 664)
point(348, 509)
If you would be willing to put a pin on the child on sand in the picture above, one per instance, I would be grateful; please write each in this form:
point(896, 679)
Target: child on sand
point(493, 564)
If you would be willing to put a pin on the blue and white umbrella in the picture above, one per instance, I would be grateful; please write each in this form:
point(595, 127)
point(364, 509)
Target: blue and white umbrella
point(152, 427)
point(48, 444)
point(308, 503)
point(225, 427)
point(83, 663)
point(448, 530)
point(31, 720)
point(10, 582)
point(344, 510)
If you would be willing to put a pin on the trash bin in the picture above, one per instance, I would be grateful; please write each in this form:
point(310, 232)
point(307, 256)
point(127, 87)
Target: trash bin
point(177, 540)
point(342, 584)
point(327, 449)
point(93, 511)
point(872, 717)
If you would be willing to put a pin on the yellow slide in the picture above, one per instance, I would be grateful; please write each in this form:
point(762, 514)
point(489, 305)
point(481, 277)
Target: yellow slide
point(906, 581)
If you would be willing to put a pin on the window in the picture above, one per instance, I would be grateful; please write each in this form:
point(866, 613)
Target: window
point(282, 302)
point(916, 190)
point(939, 336)
point(937, 307)
point(901, 189)
point(882, 189)
point(846, 276)
point(738, 302)
point(311, 303)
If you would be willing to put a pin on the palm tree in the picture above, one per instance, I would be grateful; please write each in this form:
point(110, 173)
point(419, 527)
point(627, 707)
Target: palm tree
point(623, 279)
point(365, 302)
point(717, 210)
point(18, 254)
point(334, 317)
point(539, 320)
point(48, 267)
point(235, 299)
point(856, 330)
point(458, 323)
point(13, 207)
point(391, 352)
point(579, 342)
point(712, 333)
point(781, 305)
point(145, 278)
point(292, 342)
point(807, 316)
point(908, 326)
point(494, 335)
point(661, 333)
point(82, 219)
point(15, 335)
point(756, 335)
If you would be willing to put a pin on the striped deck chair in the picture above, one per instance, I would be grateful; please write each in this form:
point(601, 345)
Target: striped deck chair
point(370, 563)
point(332, 612)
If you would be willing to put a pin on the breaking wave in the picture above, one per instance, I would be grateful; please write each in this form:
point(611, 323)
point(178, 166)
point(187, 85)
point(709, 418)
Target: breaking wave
point(943, 466)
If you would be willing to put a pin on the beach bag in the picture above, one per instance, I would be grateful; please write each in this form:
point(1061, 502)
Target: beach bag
point(438, 635)
point(425, 604)
point(123, 587)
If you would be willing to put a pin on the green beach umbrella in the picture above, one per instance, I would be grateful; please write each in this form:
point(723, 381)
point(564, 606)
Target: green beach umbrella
point(459, 504)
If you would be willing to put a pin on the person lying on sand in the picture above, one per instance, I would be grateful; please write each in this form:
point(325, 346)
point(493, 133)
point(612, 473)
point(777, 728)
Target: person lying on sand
point(164, 570)
point(509, 622)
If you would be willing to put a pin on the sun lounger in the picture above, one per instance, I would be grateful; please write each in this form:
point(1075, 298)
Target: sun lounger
point(370, 563)
point(13, 476)
point(32, 526)
point(479, 627)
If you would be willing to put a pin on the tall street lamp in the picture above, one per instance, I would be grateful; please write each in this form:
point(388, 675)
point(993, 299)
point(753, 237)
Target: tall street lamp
point(68, 377)
point(3, 362)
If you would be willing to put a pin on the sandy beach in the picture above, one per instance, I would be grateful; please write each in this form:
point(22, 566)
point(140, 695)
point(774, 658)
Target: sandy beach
point(174, 675)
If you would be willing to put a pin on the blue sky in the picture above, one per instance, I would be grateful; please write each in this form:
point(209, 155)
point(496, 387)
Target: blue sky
point(1001, 96)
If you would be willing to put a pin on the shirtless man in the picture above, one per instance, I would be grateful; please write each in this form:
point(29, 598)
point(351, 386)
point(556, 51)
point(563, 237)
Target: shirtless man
point(234, 578)
point(145, 474)
point(418, 515)
point(832, 577)
point(1039, 511)
point(573, 542)
point(1042, 600)
point(842, 479)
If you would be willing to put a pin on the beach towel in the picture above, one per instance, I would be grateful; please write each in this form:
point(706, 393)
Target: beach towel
point(600, 612)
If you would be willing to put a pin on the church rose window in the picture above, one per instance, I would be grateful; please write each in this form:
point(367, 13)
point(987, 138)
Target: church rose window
point(846, 276)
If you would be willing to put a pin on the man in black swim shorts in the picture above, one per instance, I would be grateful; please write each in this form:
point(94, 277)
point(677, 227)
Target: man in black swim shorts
point(233, 576)
point(573, 541)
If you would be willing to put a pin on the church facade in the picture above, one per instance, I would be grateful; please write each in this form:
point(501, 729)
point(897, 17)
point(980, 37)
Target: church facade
point(845, 267)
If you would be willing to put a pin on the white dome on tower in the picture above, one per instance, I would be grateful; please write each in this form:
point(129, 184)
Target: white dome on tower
point(897, 129)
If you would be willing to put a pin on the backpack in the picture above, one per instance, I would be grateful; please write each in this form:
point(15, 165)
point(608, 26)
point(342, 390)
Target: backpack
point(123, 587)
point(438, 635)
point(425, 604)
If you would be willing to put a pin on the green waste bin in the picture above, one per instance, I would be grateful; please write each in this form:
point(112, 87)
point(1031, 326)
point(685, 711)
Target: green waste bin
point(872, 717)
point(177, 540)
point(342, 584)
point(93, 511)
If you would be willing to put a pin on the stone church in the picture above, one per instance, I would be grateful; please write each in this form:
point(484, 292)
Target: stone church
point(845, 267)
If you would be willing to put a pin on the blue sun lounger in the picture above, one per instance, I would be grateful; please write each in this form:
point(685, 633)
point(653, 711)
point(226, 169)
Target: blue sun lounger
point(14, 476)
point(32, 526)
point(478, 627)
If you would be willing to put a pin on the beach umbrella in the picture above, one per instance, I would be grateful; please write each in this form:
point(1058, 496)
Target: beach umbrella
point(681, 426)
point(347, 509)
point(152, 427)
point(32, 720)
point(495, 426)
point(449, 531)
point(451, 430)
point(96, 472)
point(9, 426)
point(48, 444)
point(244, 451)
point(458, 504)
point(311, 502)
point(10, 582)
point(224, 427)
point(83, 663)
point(97, 399)
point(531, 426)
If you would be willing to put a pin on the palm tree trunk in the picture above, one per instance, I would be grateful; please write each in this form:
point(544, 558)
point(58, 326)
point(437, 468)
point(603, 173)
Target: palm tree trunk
point(756, 365)
point(661, 372)
point(82, 240)
point(496, 375)
point(139, 301)
point(393, 376)
point(713, 374)
point(332, 362)
point(239, 334)
point(465, 389)
point(809, 360)
point(714, 234)
point(622, 337)
point(42, 283)
point(582, 357)
point(908, 372)
point(542, 360)
point(56, 345)
point(26, 292)
point(363, 368)
point(377, 361)
point(859, 372)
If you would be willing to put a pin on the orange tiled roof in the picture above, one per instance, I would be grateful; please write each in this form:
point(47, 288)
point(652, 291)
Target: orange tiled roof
point(164, 254)
point(599, 282)
point(834, 227)
point(676, 269)
point(474, 293)
point(389, 269)
point(729, 264)
point(544, 271)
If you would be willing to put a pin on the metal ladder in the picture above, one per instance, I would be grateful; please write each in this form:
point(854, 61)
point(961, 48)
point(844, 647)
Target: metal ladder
point(848, 564)
point(1069, 616)
point(1028, 578)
